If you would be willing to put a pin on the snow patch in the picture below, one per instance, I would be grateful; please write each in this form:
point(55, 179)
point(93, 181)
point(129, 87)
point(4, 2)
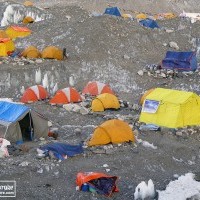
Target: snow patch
point(144, 190)
point(181, 189)
point(15, 13)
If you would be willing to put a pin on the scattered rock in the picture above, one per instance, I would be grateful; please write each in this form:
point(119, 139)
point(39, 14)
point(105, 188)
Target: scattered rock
point(164, 44)
point(149, 73)
point(169, 30)
point(47, 168)
point(42, 139)
point(77, 131)
point(24, 163)
point(107, 170)
point(40, 171)
point(84, 111)
point(38, 61)
point(135, 107)
point(140, 72)
point(179, 133)
point(174, 45)
point(68, 17)
point(163, 75)
point(126, 57)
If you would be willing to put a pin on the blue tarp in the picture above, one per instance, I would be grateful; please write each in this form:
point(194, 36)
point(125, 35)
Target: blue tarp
point(183, 61)
point(149, 23)
point(60, 150)
point(11, 112)
point(113, 11)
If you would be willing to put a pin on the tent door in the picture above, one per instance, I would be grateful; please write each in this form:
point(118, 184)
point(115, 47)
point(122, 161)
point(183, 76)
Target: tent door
point(26, 126)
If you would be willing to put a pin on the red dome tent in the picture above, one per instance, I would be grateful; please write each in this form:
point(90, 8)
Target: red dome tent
point(66, 95)
point(95, 88)
point(34, 93)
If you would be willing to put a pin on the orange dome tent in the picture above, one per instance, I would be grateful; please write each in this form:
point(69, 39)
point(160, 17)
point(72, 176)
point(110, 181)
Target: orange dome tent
point(112, 131)
point(141, 16)
point(34, 93)
point(95, 88)
point(31, 52)
point(28, 20)
point(28, 3)
point(3, 34)
point(65, 96)
point(52, 52)
point(105, 101)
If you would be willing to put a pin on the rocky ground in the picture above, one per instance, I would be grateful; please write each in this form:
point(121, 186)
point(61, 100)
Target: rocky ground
point(115, 51)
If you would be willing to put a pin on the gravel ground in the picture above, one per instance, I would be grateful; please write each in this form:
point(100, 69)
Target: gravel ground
point(112, 50)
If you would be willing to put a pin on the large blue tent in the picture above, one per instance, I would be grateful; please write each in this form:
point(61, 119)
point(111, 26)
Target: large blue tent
point(21, 123)
point(182, 61)
point(149, 23)
point(113, 11)
point(10, 112)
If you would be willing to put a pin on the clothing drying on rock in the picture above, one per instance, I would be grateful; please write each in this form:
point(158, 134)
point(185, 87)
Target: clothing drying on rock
point(61, 150)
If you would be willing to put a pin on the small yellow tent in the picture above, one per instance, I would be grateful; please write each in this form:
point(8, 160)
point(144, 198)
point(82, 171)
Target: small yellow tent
point(27, 20)
point(52, 52)
point(105, 101)
point(171, 108)
point(6, 46)
point(28, 3)
point(3, 34)
point(112, 131)
point(127, 16)
point(141, 16)
point(17, 31)
point(165, 16)
point(31, 52)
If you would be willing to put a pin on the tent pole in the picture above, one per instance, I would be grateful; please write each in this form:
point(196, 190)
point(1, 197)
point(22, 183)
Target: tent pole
point(31, 126)
point(6, 131)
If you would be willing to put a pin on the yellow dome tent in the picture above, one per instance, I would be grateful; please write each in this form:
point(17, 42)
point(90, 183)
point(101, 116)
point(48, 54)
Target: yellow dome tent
point(52, 52)
point(112, 131)
point(105, 101)
point(3, 34)
point(31, 52)
point(127, 16)
point(171, 108)
point(165, 16)
point(28, 3)
point(28, 20)
point(141, 16)
point(6, 46)
point(17, 31)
